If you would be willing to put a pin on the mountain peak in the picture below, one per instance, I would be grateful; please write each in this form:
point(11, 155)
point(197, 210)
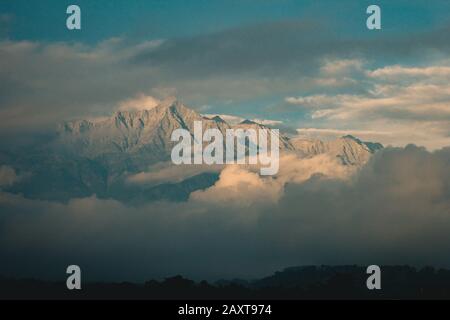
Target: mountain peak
point(218, 119)
point(372, 146)
point(349, 136)
point(173, 106)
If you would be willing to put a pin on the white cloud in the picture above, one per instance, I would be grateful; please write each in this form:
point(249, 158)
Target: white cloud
point(170, 173)
point(397, 71)
point(335, 133)
point(242, 186)
point(141, 102)
point(239, 187)
point(411, 103)
point(341, 66)
point(314, 101)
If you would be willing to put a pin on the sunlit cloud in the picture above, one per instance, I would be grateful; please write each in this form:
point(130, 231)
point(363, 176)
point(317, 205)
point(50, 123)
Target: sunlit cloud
point(404, 101)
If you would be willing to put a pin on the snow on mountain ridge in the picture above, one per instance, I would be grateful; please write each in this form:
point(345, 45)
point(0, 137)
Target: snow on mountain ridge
point(146, 134)
point(96, 156)
point(350, 150)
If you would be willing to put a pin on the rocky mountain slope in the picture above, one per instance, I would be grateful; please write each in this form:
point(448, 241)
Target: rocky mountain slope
point(350, 150)
point(96, 156)
point(144, 136)
point(133, 140)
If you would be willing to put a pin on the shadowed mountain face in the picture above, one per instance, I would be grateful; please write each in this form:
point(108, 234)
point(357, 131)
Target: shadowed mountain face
point(97, 156)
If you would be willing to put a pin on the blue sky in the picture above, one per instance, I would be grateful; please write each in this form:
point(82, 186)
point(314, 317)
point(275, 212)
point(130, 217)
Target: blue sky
point(310, 64)
point(144, 19)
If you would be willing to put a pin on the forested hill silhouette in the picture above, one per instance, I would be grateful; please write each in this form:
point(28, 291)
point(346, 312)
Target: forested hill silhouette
point(307, 282)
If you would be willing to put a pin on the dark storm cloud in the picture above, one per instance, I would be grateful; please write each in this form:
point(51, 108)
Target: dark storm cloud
point(395, 211)
point(44, 83)
point(274, 46)
point(282, 46)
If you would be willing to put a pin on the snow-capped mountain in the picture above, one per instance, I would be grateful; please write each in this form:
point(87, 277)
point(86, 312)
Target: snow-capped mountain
point(350, 150)
point(96, 156)
point(130, 132)
point(144, 136)
point(141, 136)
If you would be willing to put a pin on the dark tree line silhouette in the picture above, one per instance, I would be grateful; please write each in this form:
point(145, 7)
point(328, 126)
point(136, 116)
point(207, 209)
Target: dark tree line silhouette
point(308, 282)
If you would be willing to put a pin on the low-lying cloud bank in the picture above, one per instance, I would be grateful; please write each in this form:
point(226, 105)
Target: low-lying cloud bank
point(395, 210)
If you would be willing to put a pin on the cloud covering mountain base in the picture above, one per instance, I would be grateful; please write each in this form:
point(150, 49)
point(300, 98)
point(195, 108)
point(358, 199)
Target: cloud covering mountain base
point(394, 210)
